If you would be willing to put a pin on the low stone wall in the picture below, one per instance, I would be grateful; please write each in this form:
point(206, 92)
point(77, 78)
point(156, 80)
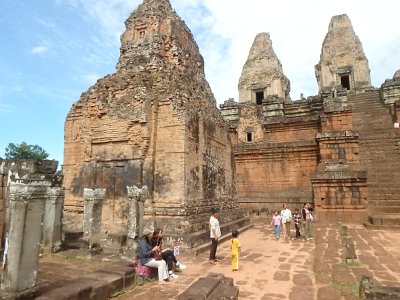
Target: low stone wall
point(370, 291)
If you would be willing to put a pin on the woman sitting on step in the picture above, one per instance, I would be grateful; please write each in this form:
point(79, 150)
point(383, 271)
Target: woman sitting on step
point(146, 255)
point(167, 254)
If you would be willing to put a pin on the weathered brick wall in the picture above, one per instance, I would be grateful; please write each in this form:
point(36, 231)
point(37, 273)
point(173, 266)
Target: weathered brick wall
point(101, 151)
point(272, 174)
point(292, 130)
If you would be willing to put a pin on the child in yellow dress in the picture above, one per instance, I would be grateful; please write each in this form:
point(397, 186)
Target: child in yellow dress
point(235, 247)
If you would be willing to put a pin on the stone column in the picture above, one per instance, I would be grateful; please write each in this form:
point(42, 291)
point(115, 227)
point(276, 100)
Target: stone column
point(2, 210)
point(21, 255)
point(52, 220)
point(92, 215)
point(135, 218)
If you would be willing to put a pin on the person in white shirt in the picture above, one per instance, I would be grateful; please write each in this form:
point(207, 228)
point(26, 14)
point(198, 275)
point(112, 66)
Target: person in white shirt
point(215, 234)
point(286, 217)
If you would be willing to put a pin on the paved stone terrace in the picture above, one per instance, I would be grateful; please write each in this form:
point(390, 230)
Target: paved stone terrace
point(269, 268)
point(273, 269)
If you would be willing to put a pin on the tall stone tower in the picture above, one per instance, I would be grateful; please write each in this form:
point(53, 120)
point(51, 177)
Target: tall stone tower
point(155, 123)
point(343, 64)
point(262, 74)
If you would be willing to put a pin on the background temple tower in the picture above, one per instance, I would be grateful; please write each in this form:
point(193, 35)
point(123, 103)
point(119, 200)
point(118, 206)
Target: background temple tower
point(262, 74)
point(343, 64)
point(153, 123)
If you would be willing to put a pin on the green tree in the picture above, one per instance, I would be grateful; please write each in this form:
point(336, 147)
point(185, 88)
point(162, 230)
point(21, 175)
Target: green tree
point(25, 151)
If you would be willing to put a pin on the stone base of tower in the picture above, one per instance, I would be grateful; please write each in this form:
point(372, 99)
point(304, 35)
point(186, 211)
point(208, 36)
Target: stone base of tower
point(347, 215)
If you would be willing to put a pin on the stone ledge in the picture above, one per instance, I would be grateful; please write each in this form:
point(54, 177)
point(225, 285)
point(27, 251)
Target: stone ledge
point(213, 286)
point(370, 291)
point(98, 285)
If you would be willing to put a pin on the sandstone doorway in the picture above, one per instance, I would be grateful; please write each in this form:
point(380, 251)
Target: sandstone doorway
point(345, 81)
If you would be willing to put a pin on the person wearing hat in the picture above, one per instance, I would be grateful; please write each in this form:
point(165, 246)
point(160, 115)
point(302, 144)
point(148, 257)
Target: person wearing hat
point(215, 234)
point(167, 254)
point(146, 255)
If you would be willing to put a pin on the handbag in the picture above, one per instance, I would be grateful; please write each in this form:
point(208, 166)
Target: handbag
point(157, 255)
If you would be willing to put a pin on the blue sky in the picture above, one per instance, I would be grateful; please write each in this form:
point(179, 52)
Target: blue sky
point(51, 51)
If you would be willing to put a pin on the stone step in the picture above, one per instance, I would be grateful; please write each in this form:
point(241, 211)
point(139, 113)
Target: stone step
point(384, 219)
point(371, 108)
point(383, 197)
point(213, 286)
point(376, 173)
point(389, 144)
point(383, 186)
point(384, 210)
point(296, 114)
point(386, 203)
point(388, 194)
point(376, 185)
point(369, 225)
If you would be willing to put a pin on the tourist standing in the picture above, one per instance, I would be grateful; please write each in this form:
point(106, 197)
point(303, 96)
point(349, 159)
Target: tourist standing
point(276, 222)
point(235, 249)
point(215, 234)
point(146, 255)
point(307, 219)
point(297, 222)
point(286, 217)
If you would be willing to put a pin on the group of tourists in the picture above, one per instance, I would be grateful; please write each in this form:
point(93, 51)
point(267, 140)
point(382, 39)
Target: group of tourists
point(285, 218)
point(152, 254)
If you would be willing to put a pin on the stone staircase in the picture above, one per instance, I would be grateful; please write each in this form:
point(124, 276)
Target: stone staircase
point(379, 153)
point(297, 109)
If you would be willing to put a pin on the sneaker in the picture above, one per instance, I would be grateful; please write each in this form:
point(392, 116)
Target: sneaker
point(172, 275)
point(307, 239)
point(311, 238)
point(181, 266)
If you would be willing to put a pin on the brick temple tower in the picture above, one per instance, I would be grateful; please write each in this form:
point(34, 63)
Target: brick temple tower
point(343, 64)
point(262, 74)
point(153, 123)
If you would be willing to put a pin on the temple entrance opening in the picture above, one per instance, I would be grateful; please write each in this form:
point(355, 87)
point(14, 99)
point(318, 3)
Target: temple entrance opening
point(259, 97)
point(345, 81)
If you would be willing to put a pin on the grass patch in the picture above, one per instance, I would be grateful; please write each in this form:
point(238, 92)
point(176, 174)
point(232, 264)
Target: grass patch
point(352, 287)
point(139, 281)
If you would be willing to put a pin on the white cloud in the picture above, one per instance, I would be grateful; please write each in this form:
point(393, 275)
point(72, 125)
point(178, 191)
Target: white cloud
point(90, 78)
point(109, 14)
point(39, 49)
point(225, 30)
point(297, 30)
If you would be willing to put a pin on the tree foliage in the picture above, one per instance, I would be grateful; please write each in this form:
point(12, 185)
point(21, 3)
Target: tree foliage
point(25, 151)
